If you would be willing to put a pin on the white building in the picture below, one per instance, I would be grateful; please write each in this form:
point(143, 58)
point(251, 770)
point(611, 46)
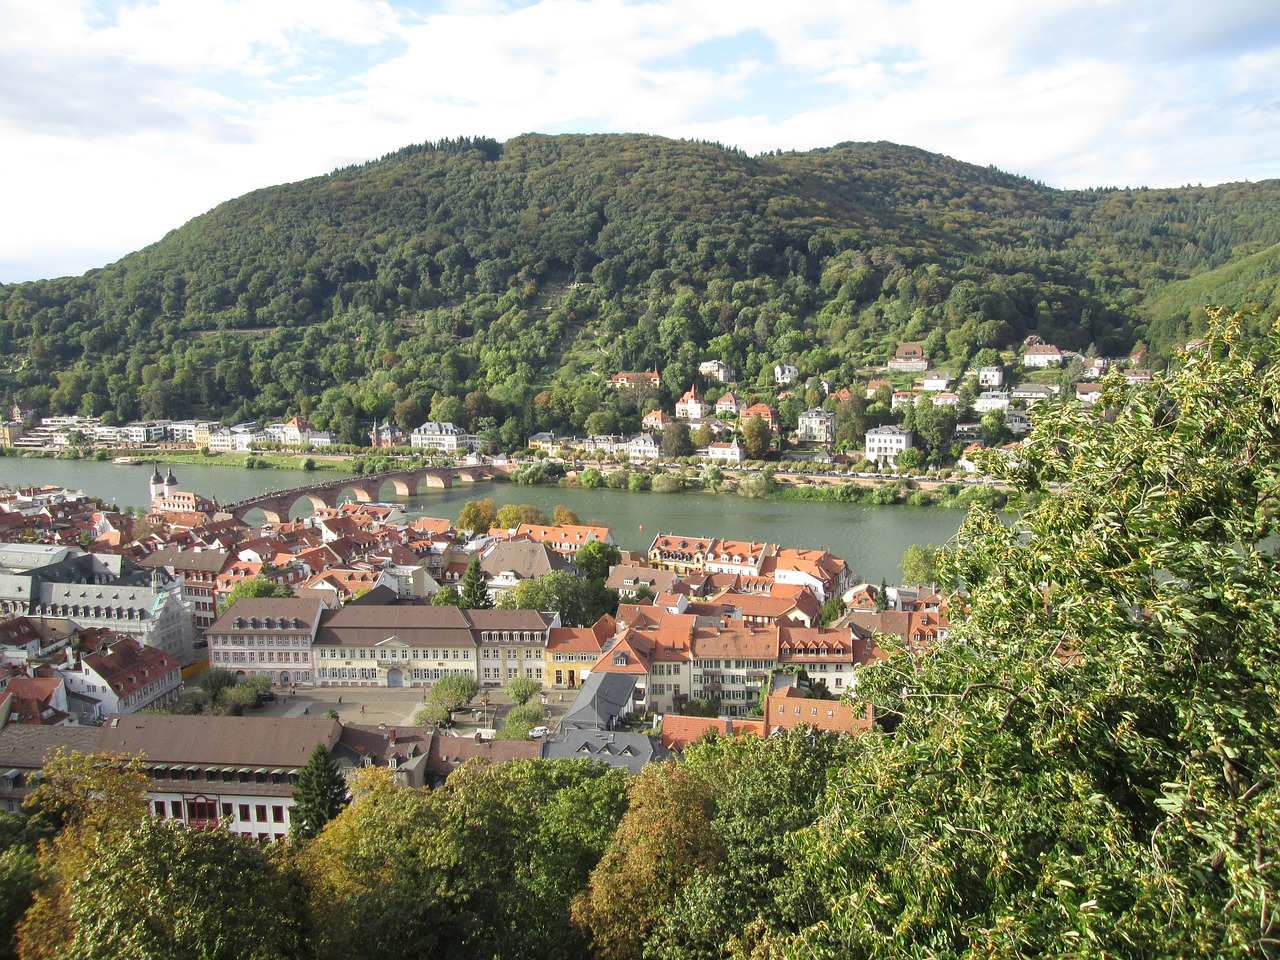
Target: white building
point(991, 377)
point(272, 636)
point(718, 370)
point(723, 452)
point(643, 447)
point(884, 444)
point(122, 677)
point(784, 373)
point(1042, 355)
point(691, 406)
point(445, 437)
point(232, 772)
point(157, 615)
point(816, 426)
point(991, 400)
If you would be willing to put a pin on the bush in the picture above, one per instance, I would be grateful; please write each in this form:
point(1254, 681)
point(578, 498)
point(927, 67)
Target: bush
point(667, 483)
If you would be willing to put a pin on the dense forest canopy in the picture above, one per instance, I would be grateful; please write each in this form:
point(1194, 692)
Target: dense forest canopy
point(485, 280)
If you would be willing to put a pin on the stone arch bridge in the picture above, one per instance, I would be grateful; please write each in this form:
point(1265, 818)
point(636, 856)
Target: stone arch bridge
point(276, 504)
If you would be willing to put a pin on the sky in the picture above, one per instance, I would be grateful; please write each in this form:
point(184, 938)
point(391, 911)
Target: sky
point(121, 120)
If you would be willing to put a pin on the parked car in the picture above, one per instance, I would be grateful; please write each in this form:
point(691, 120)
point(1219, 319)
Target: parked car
point(537, 733)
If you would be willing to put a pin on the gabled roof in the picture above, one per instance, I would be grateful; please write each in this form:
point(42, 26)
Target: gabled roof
point(241, 741)
point(127, 665)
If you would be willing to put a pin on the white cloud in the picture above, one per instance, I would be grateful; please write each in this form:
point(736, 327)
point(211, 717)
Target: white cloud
point(123, 118)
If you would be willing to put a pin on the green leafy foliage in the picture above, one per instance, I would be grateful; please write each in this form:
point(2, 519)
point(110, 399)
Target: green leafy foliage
point(454, 691)
point(1087, 767)
point(523, 689)
point(474, 594)
point(319, 795)
point(256, 588)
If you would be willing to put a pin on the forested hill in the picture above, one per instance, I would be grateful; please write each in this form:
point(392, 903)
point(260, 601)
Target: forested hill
point(503, 273)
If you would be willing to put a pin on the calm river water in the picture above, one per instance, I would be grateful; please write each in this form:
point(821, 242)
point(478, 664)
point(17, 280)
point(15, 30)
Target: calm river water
point(870, 538)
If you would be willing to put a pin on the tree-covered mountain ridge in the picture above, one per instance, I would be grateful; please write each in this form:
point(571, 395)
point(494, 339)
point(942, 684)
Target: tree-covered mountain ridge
point(511, 270)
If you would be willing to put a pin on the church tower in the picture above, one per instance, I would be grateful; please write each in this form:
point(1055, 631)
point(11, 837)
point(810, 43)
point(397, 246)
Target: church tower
point(157, 484)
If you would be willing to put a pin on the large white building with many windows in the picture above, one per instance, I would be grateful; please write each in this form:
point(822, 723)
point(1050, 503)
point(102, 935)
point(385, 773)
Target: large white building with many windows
point(445, 437)
point(884, 444)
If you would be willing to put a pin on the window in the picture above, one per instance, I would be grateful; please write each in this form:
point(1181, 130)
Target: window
point(261, 811)
point(160, 809)
point(175, 809)
point(244, 812)
point(226, 810)
point(277, 813)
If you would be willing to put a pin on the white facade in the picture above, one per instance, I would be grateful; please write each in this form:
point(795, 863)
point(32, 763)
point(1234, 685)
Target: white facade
point(816, 425)
point(884, 444)
point(446, 437)
point(718, 370)
point(991, 400)
point(1042, 355)
point(991, 377)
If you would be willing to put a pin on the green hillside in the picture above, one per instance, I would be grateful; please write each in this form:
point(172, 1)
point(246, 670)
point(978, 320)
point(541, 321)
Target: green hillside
point(492, 281)
point(1249, 283)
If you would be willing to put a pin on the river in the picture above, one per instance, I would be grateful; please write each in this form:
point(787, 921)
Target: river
point(870, 538)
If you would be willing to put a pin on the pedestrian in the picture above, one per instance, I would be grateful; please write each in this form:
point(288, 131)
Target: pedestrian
point(339, 700)
point(362, 708)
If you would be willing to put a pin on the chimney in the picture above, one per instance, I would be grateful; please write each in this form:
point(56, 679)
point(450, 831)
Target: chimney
point(393, 736)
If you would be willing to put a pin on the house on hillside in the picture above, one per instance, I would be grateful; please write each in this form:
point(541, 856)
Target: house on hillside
point(909, 356)
point(1041, 355)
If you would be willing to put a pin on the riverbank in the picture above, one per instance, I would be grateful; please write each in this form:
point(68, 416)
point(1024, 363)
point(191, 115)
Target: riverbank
point(768, 484)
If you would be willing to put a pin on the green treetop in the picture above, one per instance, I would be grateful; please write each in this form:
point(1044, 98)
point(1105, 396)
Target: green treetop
point(474, 594)
point(1087, 766)
point(319, 795)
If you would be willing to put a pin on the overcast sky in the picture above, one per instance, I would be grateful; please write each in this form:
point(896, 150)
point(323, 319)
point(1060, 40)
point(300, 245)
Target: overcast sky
point(120, 121)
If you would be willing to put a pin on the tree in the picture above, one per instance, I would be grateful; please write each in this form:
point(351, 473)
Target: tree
point(595, 557)
point(477, 515)
point(318, 796)
point(454, 691)
point(919, 564)
point(91, 800)
point(254, 589)
point(1104, 712)
point(160, 891)
point(432, 715)
point(446, 596)
point(910, 460)
point(676, 441)
point(756, 438)
point(664, 839)
point(214, 680)
point(563, 516)
point(520, 720)
point(474, 594)
point(523, 689)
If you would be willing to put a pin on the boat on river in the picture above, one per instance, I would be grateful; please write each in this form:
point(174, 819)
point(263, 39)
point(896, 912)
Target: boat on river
point(127, 461)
